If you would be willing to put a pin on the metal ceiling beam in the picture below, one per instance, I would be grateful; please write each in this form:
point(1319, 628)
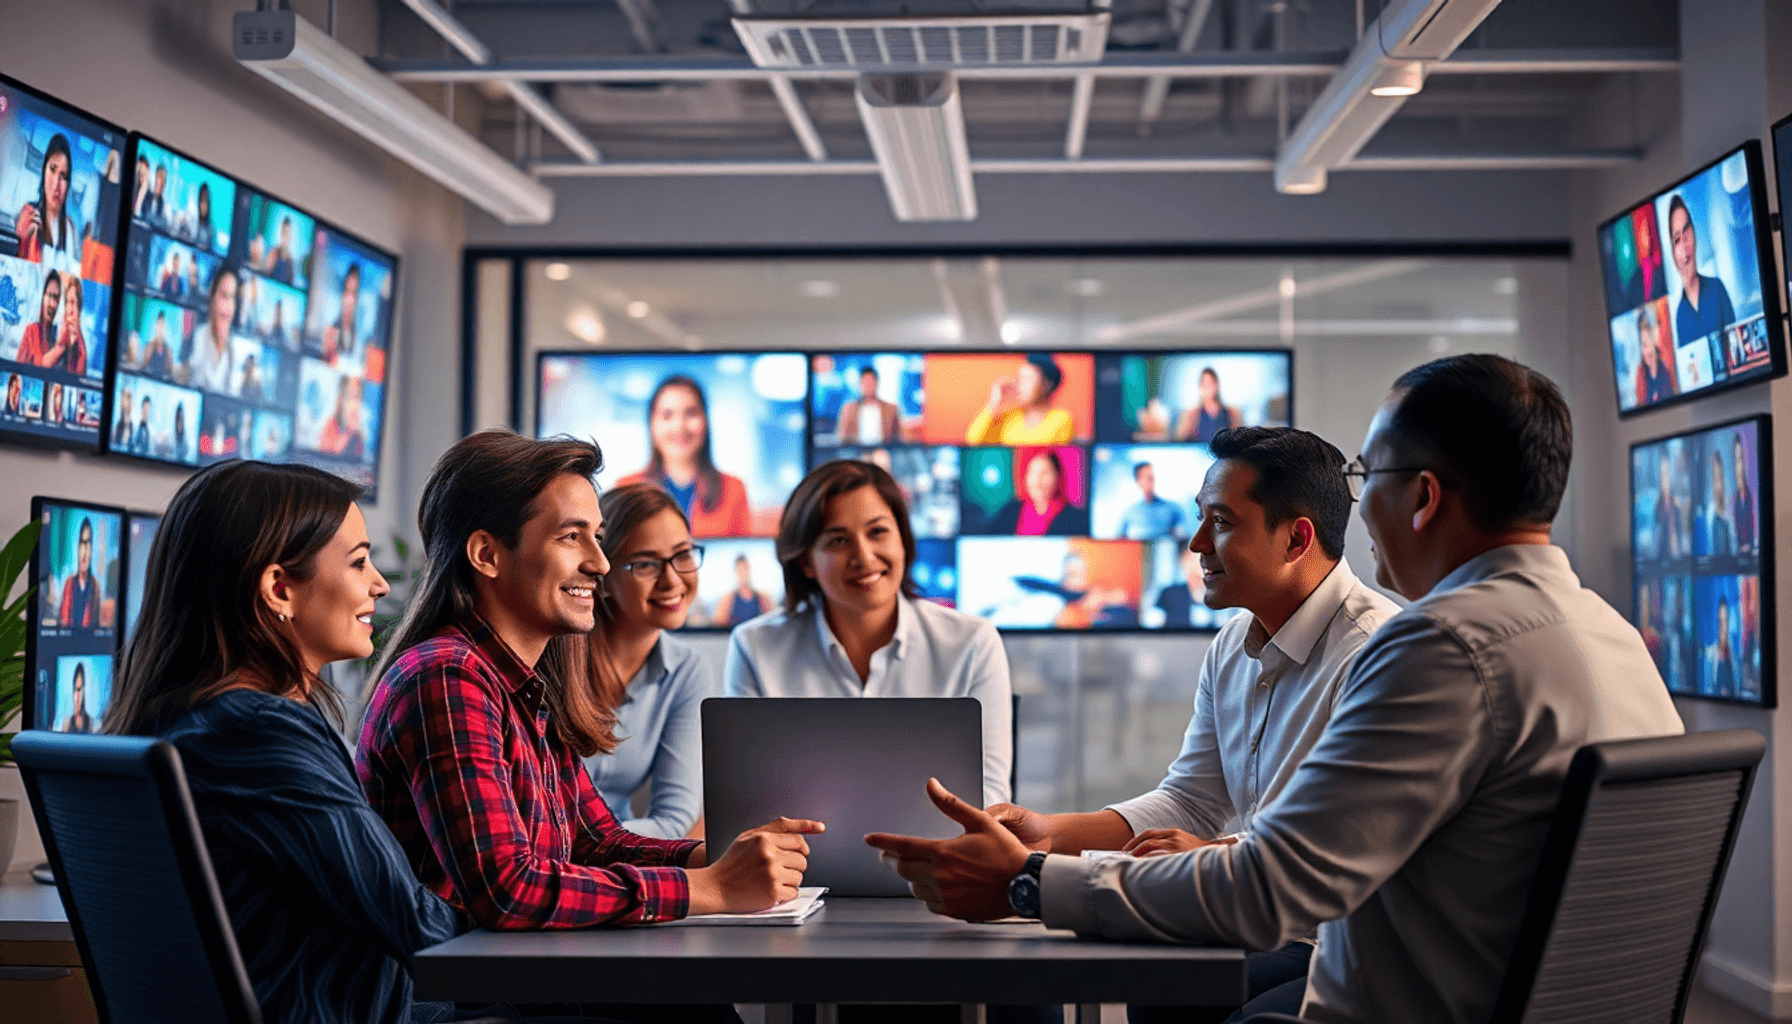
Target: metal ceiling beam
point(1157, 87)
point(1115, 65)
point(792, 104)
point(1566, 160)
point(1077, 132)
point(644, 22)
point(527, 96)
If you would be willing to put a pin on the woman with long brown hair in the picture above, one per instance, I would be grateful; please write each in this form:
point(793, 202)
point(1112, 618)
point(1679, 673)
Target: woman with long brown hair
point(652, 682)
point(471, 743)
point(258, 578)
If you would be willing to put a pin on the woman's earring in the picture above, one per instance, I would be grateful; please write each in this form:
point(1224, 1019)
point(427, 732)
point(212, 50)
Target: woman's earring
point(282, 616)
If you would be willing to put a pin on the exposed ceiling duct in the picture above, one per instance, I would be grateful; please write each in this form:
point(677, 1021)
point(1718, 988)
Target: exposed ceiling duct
point(916, 126)
point(1385, 68)
point(300, 58)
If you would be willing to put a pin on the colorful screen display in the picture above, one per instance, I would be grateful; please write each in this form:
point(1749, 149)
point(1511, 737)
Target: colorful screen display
point(1081, 467)
point(1702, 548)
point(61, 189)
point(76, 568)
point(248, 327)
point(1684, 287)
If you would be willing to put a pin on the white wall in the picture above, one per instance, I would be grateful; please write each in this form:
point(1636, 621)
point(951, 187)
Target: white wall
point(164, 67)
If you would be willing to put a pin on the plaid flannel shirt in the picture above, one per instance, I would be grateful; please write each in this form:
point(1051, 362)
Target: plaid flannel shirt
point(495, 813)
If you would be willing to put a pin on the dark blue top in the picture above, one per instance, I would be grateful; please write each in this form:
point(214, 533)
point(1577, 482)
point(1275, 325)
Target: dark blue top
point(326, 910)
point(1714, 313)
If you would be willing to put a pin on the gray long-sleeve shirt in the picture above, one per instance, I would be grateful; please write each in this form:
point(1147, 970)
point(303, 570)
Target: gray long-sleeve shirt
point(1410, 834)
point(1261, 702)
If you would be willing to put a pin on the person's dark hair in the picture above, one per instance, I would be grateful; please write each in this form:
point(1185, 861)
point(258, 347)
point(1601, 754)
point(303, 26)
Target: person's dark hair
point(80, 674)
point(202, 210)
point(1139, 467)
point(492, 481)
point(204, 628)
point(1049, 369)
point(709, 478)
point(806, 513)
point(51, 277)
point(871, 370)
point(1677, 203)
point(211, 293)
point(1299, 474)
point(1061, 489)
point(58, 147)
point(625, 508)
point(1498, 430)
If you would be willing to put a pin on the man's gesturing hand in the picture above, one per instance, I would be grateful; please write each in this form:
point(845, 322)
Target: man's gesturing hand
point(1159, 842)
point(1030, 827)
point(967, 877)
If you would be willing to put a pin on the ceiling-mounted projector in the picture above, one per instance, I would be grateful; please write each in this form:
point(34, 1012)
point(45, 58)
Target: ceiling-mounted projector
point(295, 55)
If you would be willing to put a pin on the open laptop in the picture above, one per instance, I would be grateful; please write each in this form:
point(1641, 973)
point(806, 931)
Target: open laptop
point(860, 765)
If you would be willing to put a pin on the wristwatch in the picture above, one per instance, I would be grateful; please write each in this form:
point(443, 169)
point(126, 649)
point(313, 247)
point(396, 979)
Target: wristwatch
point(1023, 889)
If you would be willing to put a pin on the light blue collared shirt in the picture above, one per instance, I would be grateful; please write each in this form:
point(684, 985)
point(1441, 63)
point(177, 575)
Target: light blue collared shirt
point(936, 652)
point(661, 734)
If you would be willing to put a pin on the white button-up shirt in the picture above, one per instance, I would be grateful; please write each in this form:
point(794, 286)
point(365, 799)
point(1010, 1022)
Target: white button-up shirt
point(1410, 833)
point(1261, 703)
point(936, 652)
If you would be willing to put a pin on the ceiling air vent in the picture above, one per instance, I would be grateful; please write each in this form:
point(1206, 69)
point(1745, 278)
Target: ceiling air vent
point(885, 44)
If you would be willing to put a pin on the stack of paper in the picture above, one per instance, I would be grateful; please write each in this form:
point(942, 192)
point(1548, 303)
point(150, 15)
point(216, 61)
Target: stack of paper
point(790, 912)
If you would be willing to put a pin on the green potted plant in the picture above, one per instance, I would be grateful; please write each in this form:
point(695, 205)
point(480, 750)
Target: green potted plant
point(13, 629)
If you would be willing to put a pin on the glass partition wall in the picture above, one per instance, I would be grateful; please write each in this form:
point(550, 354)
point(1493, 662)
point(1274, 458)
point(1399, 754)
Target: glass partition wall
point(1101, 714)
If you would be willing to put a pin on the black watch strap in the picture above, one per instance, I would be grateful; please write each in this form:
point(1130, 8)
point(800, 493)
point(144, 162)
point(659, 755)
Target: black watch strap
point(1023, 888)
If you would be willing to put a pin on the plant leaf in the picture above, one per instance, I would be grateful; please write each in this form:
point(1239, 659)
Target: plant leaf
point(17, 555)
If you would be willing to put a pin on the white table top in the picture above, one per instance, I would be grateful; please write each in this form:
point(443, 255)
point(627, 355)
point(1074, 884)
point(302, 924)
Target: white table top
point(30, 911)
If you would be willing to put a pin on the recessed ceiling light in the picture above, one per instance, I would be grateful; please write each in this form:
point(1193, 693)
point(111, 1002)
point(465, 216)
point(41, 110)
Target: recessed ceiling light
point(1440, 344)
point(1287, 287)
point(585, 325)
point(1405, 78)
point(639, 310)
point(819, 289)
point(1506, 286)
point(557, 271)
point(1011, 333)
point(1087, 287)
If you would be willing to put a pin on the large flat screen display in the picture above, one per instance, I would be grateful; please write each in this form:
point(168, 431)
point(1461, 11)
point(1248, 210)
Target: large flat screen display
point(1689, 287)
point(249, 328)
point(76, 569)
point(140, 535)
point(1701, 539)
point(1047, 490)
point(61, 188)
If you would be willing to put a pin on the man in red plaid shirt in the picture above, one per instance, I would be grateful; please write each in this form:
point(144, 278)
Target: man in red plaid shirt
point(471, 744)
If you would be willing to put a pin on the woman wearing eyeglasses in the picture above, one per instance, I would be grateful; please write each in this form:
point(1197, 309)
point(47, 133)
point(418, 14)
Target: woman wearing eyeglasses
point(652, 682)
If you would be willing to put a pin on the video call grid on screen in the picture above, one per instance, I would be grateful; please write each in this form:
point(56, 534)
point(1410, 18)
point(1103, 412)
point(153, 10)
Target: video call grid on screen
point(77, 571)
point(301, 373)
point(52, 372)
point(1118, 563)
point(1702, 560)
point(1666, 348)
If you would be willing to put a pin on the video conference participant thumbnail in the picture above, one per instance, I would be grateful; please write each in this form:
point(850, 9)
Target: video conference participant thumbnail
point(661, 419)
point(866, 398)
point(183, 199)
point(1176, 591)
point(741, 580)
point(1025, 492)
point(1191, 396)
point(349, 311)
point(1051, 583)
point(60, 187)
point(156, 420)
point(61, 323)
point(279, 242)
point(928, 478)
point(1040, 398)
point(78, 568)
point(1147, 492)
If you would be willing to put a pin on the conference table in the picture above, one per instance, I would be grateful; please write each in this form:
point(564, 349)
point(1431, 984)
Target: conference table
point(851, 951)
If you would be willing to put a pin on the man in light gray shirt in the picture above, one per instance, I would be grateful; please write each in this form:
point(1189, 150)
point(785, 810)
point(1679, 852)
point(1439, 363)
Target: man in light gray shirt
point(1274, 509)
point(1410, 834)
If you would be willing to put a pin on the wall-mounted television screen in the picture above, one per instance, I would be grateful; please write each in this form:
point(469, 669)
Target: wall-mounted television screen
point(1689, 290)
point(61, 187)
point(1782, 168)
point(1701, 537)
point(76, 569)
point(248, 329)
point(1047, 490)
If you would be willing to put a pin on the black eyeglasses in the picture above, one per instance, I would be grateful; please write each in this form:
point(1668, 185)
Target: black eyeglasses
point(1356, 475)
point(687, 561)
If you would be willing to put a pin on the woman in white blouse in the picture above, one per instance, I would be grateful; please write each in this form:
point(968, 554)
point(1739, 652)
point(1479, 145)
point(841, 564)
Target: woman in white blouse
point(851, 625)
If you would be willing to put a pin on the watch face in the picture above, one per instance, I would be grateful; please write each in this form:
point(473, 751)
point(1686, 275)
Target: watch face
point(1023, 895)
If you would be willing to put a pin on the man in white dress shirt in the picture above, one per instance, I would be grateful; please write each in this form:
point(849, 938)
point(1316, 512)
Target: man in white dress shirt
point(1274, 508)
point(1411, 833)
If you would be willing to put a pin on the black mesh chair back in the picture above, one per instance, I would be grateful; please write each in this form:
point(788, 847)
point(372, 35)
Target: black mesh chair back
point(1630, 871)
point(123, 838)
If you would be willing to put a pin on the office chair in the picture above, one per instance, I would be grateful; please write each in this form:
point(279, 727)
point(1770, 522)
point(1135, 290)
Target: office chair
point(123, 838)
point(1630, 872)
